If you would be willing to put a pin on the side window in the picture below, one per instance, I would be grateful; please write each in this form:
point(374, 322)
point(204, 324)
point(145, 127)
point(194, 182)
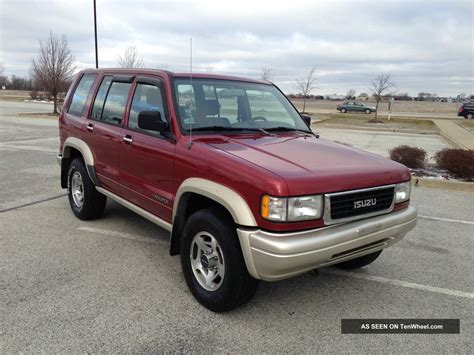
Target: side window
point(147, 97)
point(100, 98)
point(115, 102)
point(81, 93)
point(209, 92)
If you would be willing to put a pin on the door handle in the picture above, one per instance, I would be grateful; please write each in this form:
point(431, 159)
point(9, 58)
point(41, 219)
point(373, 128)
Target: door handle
point(127, 139)
point(90, 127)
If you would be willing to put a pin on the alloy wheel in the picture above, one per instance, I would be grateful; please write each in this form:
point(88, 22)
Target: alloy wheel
point(77, 189)
point(207, 261)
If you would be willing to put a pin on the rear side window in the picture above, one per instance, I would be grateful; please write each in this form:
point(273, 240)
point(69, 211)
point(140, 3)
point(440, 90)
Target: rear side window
point(114, 105)
point(81, 93)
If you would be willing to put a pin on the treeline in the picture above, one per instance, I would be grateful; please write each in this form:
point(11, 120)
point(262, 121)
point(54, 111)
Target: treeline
point(18, 83)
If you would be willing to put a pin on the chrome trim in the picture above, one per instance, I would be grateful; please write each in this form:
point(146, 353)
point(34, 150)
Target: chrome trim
point(276, 256)
point(59, 159)
point(327, 205)
point(140, 211)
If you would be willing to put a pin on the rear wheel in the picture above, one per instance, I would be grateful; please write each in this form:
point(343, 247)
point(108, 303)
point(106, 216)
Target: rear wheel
point(212, 262)
point(343, 110)
point(359, 262)
point(86, 203)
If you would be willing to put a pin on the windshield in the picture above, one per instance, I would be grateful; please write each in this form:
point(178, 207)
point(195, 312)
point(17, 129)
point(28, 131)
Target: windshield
point(223, 105)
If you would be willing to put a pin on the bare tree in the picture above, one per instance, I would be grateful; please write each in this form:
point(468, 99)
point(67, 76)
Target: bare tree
point(380, 85)
point(306, 86)
point(3, 78)
point(209, 68)
point(162, 66)
point(130, 59)
point(54, 66)
point(351, 94)
point(266, 74)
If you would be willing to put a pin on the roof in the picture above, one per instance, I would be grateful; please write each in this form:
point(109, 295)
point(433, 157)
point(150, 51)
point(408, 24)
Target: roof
point(173, 74)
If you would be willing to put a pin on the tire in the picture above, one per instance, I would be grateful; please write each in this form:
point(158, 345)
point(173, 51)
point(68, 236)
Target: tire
point(470, 116)
point(359, 262)
point(86, 203)
point(368, 111)
point(236, 287)
point(343, 110)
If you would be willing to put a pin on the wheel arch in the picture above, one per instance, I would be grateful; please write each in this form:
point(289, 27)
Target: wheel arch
point(72, 148)
point(195, 194)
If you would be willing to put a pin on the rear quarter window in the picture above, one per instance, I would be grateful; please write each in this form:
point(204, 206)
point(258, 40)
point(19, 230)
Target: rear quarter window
point(81, 93)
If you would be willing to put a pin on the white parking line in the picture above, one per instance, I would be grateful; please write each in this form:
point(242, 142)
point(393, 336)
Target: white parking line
point(444, 219)
point(406, 284)
point(122, 235)
point(444, 291)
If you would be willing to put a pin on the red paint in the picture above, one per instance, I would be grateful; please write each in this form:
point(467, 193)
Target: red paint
point(283, 164)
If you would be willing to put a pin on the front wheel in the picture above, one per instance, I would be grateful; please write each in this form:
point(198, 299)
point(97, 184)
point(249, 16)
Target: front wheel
point(212, 262)
point(368, 111)
point(359, 262)
point(343, 110)
point(470, 116)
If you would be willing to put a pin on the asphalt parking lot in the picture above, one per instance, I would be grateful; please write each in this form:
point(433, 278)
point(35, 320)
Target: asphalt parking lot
point(111, 286)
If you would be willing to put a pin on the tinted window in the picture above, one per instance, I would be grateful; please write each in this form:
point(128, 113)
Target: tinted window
point(100, 97)
point(81, 93)
point(147, 97)
point(115, 102)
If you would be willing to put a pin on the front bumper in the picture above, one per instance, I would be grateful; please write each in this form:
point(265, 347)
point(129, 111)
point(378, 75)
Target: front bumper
point(275, 256)
point(59, 159)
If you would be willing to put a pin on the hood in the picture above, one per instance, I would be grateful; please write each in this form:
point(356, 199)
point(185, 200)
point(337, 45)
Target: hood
point(311, 165)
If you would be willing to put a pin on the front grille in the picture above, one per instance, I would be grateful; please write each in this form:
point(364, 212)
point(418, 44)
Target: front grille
point(361, 202)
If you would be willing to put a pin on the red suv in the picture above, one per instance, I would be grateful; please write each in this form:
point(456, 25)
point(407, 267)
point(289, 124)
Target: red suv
point(234, 173)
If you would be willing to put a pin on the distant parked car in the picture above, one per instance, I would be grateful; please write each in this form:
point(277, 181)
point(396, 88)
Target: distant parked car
point(355, 106)
point(466, 110)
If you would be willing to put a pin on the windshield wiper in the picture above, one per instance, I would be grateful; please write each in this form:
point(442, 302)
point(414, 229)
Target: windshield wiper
point(287, 129)
point(229, 129)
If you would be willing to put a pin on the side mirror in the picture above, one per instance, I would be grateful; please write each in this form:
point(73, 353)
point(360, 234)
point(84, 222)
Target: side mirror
point(306, 119)
point(151, 121)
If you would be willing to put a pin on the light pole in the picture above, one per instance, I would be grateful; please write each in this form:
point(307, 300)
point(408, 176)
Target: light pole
point(95, 34)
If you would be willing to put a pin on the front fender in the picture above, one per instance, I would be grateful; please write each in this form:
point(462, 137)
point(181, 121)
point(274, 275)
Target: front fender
point(230, 199)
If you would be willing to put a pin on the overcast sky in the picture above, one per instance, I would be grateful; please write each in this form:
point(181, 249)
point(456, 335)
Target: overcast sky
point(426, 45)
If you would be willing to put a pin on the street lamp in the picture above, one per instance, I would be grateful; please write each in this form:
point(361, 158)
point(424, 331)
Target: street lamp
point(95, 34)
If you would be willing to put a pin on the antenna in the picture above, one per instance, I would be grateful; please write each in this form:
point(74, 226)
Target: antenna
point(190, 144)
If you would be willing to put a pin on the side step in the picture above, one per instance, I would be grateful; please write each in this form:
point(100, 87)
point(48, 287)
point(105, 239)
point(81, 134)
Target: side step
point(140, 211)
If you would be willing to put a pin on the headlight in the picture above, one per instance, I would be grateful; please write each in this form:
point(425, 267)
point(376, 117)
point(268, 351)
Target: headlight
point(402, 192)
point(304, 208)
point(291, 209)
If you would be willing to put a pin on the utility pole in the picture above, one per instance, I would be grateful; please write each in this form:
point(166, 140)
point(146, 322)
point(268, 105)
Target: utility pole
point(95, 34)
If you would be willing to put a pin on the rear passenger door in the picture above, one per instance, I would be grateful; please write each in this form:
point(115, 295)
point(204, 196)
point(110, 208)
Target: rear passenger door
point(104, 128)
point(146, 157)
